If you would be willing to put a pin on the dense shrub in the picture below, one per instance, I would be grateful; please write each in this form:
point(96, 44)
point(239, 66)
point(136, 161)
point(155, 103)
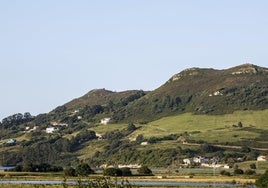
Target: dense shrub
point(250, 172)
point(252, 166)
point(262, 181)
point(144, 170)
point(225, 173)
point(112, 172)
point(126, 171)
point(69, 171)
point(84, 169)
point(43, 167)
point(238, 171)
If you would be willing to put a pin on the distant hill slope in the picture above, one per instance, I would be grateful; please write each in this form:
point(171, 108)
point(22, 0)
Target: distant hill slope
point(202, 91)
point(79, 135)
point(100, 97)
point(196, 90)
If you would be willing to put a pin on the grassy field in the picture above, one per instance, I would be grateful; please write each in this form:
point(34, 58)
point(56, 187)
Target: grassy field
point(210, 128)
point(108, 182)
point(261, 165)
point(101, 129)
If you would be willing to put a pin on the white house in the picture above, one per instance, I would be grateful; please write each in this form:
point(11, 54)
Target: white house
point(200, 160)
point(226, 166)
point(262, 158)
point(59, 124)
point(51, 129)
point(144, 143)
point(105, 121)
point(188, 161)
point(99, 136)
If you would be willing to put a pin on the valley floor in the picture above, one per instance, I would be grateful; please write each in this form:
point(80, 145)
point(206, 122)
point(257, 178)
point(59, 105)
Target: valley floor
point(49, 180)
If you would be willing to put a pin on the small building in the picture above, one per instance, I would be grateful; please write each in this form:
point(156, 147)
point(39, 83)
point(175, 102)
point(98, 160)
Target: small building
point(105, 121)
point(11, 141)
point(226, 166)
point(50, 130)
point(144, 143)
point(188, 161)
point(200, 160)
point(99, 136)
point(262, 158)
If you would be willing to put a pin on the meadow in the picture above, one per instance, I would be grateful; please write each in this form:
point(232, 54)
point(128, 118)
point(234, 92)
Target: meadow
point(209, 128)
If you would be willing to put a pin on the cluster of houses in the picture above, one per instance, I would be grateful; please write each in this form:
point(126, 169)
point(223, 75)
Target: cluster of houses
point(216, 93)
point(131, 166)
point(205, 162)
point(213, 162)
point(105, 121)
point(55, 127)
point(28, 129)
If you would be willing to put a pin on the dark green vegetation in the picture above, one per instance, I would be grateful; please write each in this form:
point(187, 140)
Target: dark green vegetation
point(262, 181)
point(203, 112)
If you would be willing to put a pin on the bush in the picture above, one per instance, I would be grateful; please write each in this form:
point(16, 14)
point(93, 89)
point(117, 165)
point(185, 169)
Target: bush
point(84, 169)
point(238, 171)
point(252, 166)
point(112, 172)
point(69, 171)
point(262, 181)
point(250, 172)
point(225, 173)
point(144, 170)
point(126, 171)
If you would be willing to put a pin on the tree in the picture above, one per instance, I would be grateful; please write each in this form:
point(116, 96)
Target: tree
point(139, 139)
point(144, 170)
point(126, 171)
point(238, 171)
point(262, 181)
point(84, 169)
point(225, 173)
point(250, 172)
point(69, 171)
point(131, 127)
point(252, 166)
point(207, 148)
point(112, 172)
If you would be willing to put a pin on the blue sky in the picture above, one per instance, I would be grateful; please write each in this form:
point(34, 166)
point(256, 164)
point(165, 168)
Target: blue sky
point(55, 50)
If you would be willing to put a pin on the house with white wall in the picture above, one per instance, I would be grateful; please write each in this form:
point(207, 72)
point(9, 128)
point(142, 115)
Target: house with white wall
point(50, 130)
point(262, 158)
point(105, 121)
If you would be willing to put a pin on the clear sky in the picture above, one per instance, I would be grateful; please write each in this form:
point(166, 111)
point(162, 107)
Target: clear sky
point(55, 50)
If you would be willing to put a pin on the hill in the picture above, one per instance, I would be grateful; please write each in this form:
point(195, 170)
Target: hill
point(217, 112)
point(102, 97)
point(203, 91)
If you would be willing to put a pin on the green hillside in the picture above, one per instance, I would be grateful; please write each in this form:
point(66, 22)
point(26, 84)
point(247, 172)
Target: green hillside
point(197, 112)
point(203, 91)
point(209, 128)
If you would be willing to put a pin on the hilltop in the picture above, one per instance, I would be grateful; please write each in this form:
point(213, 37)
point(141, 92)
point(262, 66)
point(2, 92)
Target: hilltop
point(205, 107)
point(203, 91)
point(196, 90)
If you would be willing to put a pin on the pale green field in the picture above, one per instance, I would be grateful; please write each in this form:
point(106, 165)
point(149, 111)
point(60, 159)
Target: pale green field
point(211, 128)
point(163, 144)
point(90, 150)
point(101, 129)
point(261, 165)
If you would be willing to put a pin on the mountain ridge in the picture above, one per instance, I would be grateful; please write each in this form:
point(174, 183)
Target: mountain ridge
point(206, 91)
point(196, 90)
